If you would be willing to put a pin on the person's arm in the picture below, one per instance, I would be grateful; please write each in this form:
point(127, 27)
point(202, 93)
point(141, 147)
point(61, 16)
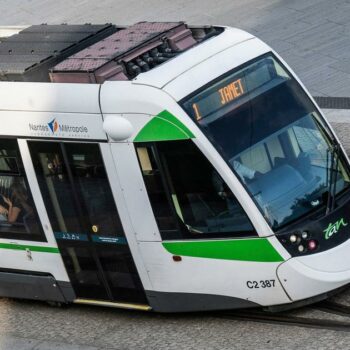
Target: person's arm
point(3, 210)
point(13, 214)
point(13, 211)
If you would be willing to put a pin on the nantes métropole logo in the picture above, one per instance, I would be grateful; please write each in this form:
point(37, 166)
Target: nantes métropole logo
point(334, 228)
point(53, 125)
point(54, 128)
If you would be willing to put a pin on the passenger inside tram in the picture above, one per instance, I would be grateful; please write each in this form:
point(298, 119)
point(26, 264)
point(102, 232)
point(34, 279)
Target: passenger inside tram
point(15, 208)
point(3, 210)
point(18, 217)
point(18, 207)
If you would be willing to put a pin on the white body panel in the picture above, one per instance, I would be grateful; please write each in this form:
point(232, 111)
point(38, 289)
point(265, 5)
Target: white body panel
point(211, 276)
point(38, 262)
point(47, 97)
point(134, 192)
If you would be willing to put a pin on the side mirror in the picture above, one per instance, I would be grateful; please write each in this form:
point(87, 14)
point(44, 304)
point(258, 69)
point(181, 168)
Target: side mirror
point(117, 127)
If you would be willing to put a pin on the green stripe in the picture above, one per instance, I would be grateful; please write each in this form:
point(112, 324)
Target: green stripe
point(172, 119)
point(256, 249)
point(163, 127)
point(32, 248)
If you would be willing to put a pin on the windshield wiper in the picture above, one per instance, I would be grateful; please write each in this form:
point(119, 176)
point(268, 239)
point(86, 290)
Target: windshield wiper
point(332, 178)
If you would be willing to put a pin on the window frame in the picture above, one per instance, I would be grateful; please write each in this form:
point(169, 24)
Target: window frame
point(33, 237)
point(181, 233)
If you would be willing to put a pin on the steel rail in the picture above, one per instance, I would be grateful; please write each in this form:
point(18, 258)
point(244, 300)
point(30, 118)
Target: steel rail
point(334, 308)
point(285, 319)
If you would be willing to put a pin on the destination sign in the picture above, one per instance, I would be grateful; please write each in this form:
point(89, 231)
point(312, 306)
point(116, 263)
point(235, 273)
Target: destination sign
point(218, 97)
point(231, 91)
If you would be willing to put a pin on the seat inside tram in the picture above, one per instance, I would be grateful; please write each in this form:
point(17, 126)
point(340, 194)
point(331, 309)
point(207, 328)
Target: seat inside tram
point(294, 170)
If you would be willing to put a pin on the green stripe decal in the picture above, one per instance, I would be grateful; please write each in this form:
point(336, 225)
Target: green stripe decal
point(163, 127)
point(256, 249)
point(32, 248)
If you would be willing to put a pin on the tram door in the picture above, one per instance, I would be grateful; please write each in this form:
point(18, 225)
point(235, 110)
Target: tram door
point(85, 221)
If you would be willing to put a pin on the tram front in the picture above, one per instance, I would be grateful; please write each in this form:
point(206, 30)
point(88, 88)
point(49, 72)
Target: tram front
point(276, 142)
point(245, 197)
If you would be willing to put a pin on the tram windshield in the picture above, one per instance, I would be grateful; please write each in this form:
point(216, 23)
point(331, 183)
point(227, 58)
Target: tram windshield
point(269, 132)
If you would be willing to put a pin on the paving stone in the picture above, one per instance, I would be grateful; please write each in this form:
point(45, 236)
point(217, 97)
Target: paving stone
point(47, 345)
point(303, 5)
point(8, 342)
point(342, 65)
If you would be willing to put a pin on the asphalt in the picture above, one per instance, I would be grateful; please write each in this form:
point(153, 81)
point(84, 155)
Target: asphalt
point(313, 36)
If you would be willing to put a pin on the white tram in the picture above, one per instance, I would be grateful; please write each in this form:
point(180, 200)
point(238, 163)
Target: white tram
point(165, 167)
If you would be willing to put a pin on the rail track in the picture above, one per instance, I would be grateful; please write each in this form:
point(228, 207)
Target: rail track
point(283, 318)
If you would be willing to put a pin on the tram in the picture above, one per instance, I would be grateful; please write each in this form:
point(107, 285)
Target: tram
point(165, 167)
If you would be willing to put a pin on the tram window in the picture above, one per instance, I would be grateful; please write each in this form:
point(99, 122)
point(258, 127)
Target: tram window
point(155, 187)
point(18, 216)
point(55, 187)
point(201, 202)
point(92, 185)
point(70, 173)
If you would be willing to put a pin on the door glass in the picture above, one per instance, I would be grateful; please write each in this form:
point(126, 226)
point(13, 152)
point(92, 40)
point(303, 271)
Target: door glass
point(72, 238)
point(85, 221)
point(103, 224)
point(83, 270)
point(57, 190)
point(156, 188)
point(91, 184)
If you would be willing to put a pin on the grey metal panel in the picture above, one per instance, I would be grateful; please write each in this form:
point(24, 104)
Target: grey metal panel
point(64, 28)
point(17, 64)
point(187, 302)
point(14, 67)
point(36, 287)
point(47, 37)
point(38, 48)
point(29, 55)
point(8, 59)
point(67, 290)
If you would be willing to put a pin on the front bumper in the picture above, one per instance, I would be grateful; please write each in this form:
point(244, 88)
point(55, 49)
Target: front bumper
point(311, 275)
